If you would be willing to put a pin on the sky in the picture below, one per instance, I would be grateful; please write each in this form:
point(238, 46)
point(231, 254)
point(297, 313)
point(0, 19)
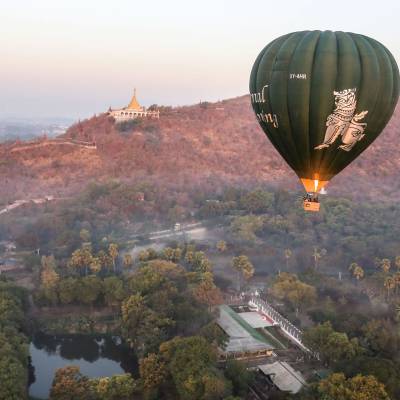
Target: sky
point(76, 58)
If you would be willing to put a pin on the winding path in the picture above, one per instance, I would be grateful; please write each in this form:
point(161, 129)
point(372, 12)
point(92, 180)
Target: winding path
point(18, 203)
point(53, 142)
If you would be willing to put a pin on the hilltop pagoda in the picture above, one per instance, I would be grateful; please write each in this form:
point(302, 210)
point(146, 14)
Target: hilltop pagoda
point(132, 111)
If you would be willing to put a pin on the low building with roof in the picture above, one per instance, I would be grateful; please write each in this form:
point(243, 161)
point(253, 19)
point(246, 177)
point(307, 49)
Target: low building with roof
point(283, 376)
point(243, 340)
point(132, 111)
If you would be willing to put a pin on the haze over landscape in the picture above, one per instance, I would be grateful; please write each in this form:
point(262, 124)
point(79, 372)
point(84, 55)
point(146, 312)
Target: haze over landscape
point(154, 243)
point(73, 59)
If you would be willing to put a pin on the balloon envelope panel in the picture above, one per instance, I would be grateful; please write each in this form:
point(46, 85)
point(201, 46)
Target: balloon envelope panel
point(323, 97)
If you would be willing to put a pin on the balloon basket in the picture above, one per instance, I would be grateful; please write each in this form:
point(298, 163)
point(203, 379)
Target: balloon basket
point(311, 205)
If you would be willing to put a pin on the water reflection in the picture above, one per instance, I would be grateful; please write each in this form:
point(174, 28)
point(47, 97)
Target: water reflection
point(95, 355)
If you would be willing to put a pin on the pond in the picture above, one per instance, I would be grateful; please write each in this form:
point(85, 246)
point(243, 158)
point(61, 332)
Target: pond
point(96, 356)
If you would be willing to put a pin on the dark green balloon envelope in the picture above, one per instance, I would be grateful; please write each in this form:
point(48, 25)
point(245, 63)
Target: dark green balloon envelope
point(322, 98)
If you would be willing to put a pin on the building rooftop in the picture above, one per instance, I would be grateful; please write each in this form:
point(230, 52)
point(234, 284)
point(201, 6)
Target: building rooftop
point(134, 104)
point(255, 319)
point(242, 337)
point(283, 376)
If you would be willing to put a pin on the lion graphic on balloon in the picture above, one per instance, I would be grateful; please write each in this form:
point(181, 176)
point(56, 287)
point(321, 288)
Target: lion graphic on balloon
point(342, 122)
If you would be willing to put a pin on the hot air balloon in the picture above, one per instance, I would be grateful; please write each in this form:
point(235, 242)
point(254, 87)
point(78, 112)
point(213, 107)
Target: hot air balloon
point(322, 98)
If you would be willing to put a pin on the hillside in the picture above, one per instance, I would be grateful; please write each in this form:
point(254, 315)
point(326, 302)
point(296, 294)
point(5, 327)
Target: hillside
point(207, 145)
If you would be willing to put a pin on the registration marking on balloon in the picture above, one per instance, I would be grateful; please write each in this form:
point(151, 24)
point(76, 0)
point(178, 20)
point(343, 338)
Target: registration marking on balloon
point(297, 76)
point(258, 98)
point(342, 122)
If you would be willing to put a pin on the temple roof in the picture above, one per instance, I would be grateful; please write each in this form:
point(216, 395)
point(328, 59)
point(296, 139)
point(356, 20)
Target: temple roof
point(134, 104)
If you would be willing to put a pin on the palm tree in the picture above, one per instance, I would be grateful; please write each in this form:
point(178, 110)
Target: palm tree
point(396, 278)
point(398, 312)
point(377, 262)
point(127, 261)
point(389, 284)
point(397, 262)
point(221, 246)
point(113, 252)
point(385, 265)
point(317, 255)
point(81, 259)
point(95, 265)
point(357, 271)
point(288, 254)
point(244, 268)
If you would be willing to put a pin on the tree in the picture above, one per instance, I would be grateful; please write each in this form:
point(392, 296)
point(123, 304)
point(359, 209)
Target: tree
point(317, 255)
point(244, 268)
point(329, 344)
point(389, 285)
point(48, 275)
point(11, 313)
point(206, 292)
point(13, 344)
point(198, 261)
point(105, 260)
point(336, 387)
point(257, 201)
point(244, 228)
point(381, 336)
point(153, 371)
point(383, 369)
point(133, 312)
point(14, 349)
point(141, 326)
point(68, 290)
point(214, 335)
point(173, 255)
point(81, 259)
point(91, 287)
point(396, 278)
point(221, 246)
point(143, 255)
point(70, 384)
point(85, 235)
point(288, 254)
point(95, 265)
point(385, 265)
point(215, 387)
point(13, 379)
point(201, 263)
point(240, 377)
point(127, 261)
point(191, 362)
point(189, 257)
point(113, 252)
point(48, 262)
point(147, 255)
point(146, 280)
point(357, 271)
point(288, 287)
point(176, 214)
point(397, 262)
point(114, 293)
point(398, 312)
point(117, 387)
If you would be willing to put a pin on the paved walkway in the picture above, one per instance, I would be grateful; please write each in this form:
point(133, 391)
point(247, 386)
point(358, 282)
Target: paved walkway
point(294, 333)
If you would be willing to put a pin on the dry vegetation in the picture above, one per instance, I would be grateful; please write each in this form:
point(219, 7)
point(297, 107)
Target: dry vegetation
point(207, 145)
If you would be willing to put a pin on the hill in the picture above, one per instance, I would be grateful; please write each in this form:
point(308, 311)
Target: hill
point(207, 145)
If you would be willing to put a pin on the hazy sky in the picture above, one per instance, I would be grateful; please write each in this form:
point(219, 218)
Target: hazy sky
point(75, 58)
